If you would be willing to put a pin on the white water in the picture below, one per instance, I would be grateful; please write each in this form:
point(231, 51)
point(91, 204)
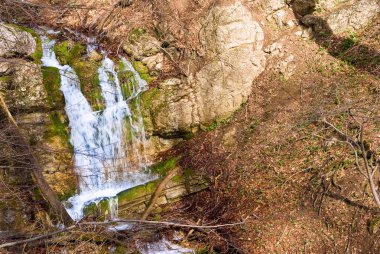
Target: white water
point(163, 247)
point(98, 137)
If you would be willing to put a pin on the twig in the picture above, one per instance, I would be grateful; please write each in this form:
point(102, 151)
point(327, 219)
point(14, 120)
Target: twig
point(37, 237)
point(166, 223)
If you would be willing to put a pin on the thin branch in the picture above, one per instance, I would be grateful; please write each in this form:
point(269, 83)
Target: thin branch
point(107, 223)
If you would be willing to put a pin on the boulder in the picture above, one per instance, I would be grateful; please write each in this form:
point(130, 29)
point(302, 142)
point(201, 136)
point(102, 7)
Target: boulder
point(23, 88)
point(303, 7)
point(14, 41)
point(352, 17)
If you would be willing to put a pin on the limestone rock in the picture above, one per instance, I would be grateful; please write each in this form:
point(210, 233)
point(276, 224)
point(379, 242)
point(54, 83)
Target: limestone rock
point(286, 67)
point(14, 41)
point(275, 11)
point(233, 42)
point(354, 16)
point(141, 44)
point(173, 108)
point(155, 62)
point(24, 90)
point(274, 49)
point(329, 5)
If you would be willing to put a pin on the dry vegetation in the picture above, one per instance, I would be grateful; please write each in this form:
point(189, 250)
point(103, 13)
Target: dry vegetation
point(279, 164)
point(275, 163)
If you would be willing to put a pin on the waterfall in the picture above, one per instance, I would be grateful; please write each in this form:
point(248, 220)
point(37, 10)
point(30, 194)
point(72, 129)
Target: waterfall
point(101, 156)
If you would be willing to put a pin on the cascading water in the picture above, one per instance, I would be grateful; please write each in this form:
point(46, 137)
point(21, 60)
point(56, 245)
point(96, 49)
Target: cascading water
point(97, 136)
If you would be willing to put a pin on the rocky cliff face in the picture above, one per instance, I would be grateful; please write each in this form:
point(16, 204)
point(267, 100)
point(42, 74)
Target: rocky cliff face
point(233, 42)
point(27, 91)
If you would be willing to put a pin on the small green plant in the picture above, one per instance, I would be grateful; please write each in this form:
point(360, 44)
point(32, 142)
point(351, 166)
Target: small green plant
point(350, 41)
point(216, 124)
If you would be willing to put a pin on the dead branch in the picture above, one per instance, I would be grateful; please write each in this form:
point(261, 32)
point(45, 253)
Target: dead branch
point(110, 223)
point(359, 146)
point(22, 147)
point(157, 192)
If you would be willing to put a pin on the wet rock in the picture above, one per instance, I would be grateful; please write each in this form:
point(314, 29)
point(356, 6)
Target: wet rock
point(14, 41)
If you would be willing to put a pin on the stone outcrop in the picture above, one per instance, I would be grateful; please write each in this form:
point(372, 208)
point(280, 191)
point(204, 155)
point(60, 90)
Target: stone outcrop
point(33, 97)
point(275, 11)
point(353, 15)
point(133, 202)
point(22, 86)
point(15, 42)
point(233, 42)
point(345, 17)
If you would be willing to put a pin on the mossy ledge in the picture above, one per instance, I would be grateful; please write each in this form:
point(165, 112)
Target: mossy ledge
point(133, 202)
point(73, 54)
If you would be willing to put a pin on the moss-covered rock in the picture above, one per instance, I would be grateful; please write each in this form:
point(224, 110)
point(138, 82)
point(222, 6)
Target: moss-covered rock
point(143, 70)
point(52, 84)
point(137, 192)
point(89, 81)
point(72, 53)
point(58, 127)
point(91, 210)
point(17, 41)
point(140, 67)
point(67, 52)
point(163, 167)
point(37, 55)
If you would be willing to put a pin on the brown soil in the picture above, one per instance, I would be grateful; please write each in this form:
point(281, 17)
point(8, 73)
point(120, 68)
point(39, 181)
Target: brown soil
point(277, 166)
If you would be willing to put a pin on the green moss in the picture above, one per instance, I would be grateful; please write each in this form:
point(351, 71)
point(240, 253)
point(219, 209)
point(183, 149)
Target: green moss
point(86, 71)
point(67, 54)
point(5, 79)
point(147, 77)
point(127, 81)
point(136, 34)
point(148, 96)
point(90, 210)
point(138, 191)
point(216, 124)
point(58, 127)
point(140, 67)
point(88, 76)
point(163, 167)
point(178, 178)
point(52, 83)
